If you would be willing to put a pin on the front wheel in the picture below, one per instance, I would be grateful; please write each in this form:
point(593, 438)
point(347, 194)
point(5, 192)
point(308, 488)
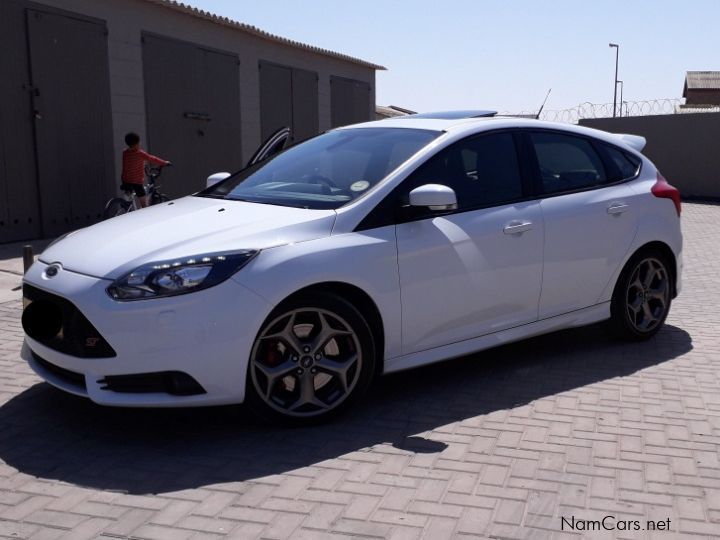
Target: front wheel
point(642, 297)
point(116, 207)
point(313, 357)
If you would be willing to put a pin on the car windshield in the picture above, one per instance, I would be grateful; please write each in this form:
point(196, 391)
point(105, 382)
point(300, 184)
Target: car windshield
point(327, 171)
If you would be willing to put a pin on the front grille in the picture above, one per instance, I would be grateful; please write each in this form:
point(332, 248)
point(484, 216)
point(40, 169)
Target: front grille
point(57, 323)
point(175, 383)
point(76, 379)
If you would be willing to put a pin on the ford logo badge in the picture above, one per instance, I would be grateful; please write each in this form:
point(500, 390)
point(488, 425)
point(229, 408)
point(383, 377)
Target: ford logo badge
point(52, 270)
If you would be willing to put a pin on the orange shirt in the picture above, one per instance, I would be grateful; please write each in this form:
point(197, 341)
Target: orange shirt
point(133, 165)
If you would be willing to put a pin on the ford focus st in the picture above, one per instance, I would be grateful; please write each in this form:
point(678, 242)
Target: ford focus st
point(369, 249)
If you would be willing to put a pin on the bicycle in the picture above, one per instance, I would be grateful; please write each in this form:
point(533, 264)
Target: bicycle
point(118, 206)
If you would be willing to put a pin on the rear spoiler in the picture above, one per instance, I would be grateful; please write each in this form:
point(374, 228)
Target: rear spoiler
point(636, 142)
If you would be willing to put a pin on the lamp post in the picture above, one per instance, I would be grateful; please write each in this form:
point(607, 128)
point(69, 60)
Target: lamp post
point(621, 95)
point(617, 54)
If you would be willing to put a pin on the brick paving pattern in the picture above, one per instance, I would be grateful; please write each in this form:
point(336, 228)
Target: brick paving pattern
point(497, 445)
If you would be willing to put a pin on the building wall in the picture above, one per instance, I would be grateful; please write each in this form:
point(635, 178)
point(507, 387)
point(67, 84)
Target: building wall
point(702, 97)
point(127, 19)
point(684, 147)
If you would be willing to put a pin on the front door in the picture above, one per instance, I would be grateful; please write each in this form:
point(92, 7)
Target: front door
point(476, 270)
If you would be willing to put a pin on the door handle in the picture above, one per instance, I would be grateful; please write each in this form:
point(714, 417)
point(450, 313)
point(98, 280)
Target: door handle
point(617, 208)
point(517, 227)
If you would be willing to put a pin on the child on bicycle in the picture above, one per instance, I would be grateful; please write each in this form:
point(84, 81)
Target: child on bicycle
point(133, 168)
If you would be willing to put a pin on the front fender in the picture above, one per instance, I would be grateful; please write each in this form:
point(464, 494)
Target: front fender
point(366, 260)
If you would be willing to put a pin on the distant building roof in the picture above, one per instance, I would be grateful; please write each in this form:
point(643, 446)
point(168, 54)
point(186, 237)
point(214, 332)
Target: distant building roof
point(452, 115)
point(701, 80)
point(225, 21)
point(390, 111)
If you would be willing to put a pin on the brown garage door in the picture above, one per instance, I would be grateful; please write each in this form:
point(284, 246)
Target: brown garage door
point(349, 101)
point(193, 111)
point(56, 167)
point(73, 121)
point(19, 209)
point(288, 98)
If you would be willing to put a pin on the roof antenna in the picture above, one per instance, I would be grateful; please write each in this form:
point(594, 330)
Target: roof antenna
point(537, 116)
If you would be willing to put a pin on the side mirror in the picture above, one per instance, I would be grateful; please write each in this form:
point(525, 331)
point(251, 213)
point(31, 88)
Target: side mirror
point(434, 196)
point(217, 177)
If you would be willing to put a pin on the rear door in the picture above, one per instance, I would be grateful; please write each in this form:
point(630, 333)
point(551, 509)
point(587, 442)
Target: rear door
point(476, 270)
point(589, 215)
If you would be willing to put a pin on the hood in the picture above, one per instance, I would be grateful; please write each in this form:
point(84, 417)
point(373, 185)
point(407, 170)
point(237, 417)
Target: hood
point(181, 228)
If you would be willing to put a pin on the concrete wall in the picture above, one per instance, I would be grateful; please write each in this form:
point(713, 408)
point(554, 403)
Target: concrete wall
point(684, 147)
point(126, 19)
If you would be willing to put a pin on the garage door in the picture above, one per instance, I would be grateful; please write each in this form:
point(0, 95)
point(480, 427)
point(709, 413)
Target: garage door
point(55, 86)
point(349, 101)
point(73, 121)
point(288, 98)
point(19, 208)
point(192, 97)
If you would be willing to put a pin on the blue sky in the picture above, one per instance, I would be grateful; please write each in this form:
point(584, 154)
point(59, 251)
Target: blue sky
point(503, 54)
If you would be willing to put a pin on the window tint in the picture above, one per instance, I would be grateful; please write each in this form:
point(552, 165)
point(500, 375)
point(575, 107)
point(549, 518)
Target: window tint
point(566, 162)
point(626, 165)
point(483, 171)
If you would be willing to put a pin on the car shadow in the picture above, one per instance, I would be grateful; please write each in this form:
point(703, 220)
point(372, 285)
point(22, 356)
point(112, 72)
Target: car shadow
point(52, 435)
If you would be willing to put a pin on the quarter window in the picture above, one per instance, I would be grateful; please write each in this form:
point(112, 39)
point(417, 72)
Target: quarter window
point(627, 166)
point(566, 162)
point(483, 171)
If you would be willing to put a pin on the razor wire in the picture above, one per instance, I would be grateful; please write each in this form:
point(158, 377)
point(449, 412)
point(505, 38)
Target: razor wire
point(605, 110)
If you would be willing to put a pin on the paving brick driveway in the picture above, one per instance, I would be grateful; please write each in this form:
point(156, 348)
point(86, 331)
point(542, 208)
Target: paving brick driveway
point(497, 445)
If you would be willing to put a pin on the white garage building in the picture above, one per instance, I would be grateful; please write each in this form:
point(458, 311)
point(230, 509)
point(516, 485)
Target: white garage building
point(201, 90)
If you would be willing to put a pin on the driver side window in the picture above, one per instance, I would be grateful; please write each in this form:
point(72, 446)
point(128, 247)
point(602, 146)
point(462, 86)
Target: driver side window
point(482, 170)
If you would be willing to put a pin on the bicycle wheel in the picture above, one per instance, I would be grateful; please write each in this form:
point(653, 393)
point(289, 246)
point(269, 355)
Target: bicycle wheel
point(116, 207)
point(158, 198)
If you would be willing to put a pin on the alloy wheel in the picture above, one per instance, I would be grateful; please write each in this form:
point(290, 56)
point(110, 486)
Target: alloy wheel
point(306, 362)
point(648, 295)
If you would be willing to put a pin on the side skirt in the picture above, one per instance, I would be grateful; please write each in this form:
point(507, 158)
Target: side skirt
point(580, 317)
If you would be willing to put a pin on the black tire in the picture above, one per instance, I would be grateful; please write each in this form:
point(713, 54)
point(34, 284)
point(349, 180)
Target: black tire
point(116, 207)
point(640, 304)
point(350, 335)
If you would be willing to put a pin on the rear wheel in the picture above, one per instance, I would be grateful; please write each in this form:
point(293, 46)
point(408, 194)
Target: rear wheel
point(313, 357)
point(642, 296)
point(158, 198)
point(116, 207)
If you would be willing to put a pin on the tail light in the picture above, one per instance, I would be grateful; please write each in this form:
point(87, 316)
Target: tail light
point(663, 190)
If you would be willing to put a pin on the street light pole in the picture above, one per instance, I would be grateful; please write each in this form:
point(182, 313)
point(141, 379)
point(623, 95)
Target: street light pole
point(617, 54)
point(622, 85)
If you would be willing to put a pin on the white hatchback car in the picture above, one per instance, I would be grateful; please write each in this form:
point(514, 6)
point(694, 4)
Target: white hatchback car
point(368, 249)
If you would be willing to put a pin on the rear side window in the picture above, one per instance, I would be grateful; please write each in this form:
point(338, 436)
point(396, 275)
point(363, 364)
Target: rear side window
point(626, 165)
point(482, 170)
point(567, 162)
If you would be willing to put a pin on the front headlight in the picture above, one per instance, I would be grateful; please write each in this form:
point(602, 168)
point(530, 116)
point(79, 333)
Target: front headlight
point(180, 276)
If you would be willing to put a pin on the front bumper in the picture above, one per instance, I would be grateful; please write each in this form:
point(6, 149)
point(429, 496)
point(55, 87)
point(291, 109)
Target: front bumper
point(207, 335)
